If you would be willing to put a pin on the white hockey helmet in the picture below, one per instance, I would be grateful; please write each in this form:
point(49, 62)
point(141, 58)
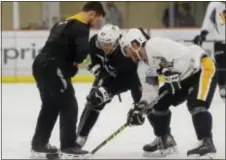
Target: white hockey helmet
point(134, 35)
point(108, 37)
point(123, 45)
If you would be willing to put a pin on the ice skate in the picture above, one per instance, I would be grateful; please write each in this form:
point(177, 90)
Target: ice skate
point(41, 151)
point(161, 146)
point(206, 150)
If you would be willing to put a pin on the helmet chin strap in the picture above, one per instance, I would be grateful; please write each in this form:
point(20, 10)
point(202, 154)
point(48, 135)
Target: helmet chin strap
point(137, 52)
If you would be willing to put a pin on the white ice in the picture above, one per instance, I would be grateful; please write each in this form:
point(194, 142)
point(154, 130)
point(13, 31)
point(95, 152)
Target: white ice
point(21, 105)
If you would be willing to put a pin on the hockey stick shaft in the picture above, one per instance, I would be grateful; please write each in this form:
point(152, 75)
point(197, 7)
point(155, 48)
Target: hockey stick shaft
point(151, 105)
point(209, 41)
point(113, 135)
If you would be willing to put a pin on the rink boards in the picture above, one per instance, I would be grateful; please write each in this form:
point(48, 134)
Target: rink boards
point(19, 49)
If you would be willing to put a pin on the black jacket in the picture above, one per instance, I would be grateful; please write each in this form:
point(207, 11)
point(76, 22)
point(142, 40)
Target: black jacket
point(68, 43)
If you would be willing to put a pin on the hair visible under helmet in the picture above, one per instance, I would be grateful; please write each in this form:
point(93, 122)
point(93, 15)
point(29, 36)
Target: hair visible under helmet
point(134, 36)
point(109, 35)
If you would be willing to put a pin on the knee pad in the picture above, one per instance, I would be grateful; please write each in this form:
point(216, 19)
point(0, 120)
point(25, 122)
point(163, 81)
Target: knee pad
point(197, 110)
point(96, 108)
point(159, 113)
point(88, 119)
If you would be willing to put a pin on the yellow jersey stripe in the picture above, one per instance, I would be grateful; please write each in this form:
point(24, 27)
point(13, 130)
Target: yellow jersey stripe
point(207, 73)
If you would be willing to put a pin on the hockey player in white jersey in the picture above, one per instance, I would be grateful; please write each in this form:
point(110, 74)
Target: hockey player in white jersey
point(189, 75)
point(214, 25)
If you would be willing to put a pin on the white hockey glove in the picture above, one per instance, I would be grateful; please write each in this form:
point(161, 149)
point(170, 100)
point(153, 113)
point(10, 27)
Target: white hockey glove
point(134, 115)
point(172, 81)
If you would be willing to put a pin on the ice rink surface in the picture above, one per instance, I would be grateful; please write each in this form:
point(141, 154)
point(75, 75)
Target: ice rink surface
point(21, 105)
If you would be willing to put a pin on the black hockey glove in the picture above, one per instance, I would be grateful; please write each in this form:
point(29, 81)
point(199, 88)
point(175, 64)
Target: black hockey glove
point(134, 115)
point(172, 81)
point(200, 38)
point(98, 96)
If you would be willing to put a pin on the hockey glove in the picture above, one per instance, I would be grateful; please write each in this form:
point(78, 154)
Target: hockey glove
point(198, 40)
point(98, 96)
point(134, 115)
point(172, 81)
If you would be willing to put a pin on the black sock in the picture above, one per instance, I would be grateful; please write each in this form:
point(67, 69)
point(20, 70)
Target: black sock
point(202, 122)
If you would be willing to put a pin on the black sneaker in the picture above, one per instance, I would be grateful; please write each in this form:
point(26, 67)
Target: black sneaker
point(40, 151)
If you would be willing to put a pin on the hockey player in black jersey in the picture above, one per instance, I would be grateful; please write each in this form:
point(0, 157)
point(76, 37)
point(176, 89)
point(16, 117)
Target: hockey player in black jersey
point(66, 47)
point(114, 74)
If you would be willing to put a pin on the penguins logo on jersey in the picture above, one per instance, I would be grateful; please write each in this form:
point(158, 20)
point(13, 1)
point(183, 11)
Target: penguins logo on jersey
point(163, 62)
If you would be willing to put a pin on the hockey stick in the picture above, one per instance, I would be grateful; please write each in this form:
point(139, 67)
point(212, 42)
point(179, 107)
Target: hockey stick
point(113, 135)
point(151, 105)
point(209, 41)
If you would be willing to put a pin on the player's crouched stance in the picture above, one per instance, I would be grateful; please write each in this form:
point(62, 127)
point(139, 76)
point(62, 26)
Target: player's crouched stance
point(189, 75)
point(114, 74)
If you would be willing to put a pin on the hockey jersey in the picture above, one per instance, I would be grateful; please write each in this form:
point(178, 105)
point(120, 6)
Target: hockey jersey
point(185, 59)
point(215, 19)
point(115, 64)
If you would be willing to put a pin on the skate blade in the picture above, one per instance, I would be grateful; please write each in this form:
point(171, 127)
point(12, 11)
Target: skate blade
point(161, 153)
point(74, 156)
point(37, 155)
point(206, 156)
